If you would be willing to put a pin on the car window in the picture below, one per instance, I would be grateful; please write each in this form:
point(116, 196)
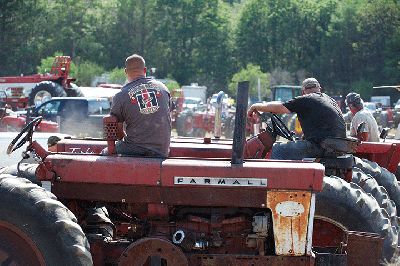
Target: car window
point(99, 107)
point(49, 108)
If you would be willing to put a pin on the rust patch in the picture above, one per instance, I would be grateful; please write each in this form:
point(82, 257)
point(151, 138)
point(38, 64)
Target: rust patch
point(290, 211)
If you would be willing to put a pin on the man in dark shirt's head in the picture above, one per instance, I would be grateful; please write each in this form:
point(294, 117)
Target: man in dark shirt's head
point(320, 118)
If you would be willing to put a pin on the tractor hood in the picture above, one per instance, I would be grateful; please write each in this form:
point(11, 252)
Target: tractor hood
point(176, 180)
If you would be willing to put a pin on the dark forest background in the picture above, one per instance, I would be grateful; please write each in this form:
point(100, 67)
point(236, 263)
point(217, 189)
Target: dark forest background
point(345, 44)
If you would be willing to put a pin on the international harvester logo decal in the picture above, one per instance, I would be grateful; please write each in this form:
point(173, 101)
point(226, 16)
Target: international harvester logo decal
point(146, 96)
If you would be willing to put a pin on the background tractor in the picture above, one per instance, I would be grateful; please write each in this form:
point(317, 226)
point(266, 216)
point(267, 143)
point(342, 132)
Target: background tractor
point(23, 91)
point(211, 202)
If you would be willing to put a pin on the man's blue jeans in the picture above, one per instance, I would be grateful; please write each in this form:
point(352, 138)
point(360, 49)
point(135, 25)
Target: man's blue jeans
point(296, 150)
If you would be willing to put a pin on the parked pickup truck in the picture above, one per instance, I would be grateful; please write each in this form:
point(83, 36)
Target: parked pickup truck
point(79, 116)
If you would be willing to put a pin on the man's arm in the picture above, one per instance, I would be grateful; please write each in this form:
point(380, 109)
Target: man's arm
point(116, 110)
point(270, 107)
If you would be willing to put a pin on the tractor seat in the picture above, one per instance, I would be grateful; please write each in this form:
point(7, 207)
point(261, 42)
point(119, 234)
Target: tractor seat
point(340, 162)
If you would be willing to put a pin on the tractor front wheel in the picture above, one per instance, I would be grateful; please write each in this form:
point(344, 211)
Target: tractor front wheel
point(36, 229)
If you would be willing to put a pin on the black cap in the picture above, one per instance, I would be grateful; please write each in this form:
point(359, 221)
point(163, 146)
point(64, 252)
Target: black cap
point(310, 83)
point(52, 140)
point(353, 98)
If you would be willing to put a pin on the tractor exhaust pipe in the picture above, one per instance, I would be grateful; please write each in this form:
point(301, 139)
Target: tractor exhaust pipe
point(239, 133)
point(218, 115)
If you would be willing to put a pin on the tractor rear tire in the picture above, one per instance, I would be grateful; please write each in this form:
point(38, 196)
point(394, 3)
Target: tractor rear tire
point(383, 177)
point(37, 229)
point(49, 88)
point(348, 205)
point(369, 185)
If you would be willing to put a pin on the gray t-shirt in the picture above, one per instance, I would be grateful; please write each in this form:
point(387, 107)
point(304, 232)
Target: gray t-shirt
point(370, 125)
point(144, 106)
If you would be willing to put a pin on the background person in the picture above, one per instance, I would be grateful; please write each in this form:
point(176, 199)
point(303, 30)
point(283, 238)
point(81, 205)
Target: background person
point(52, 143)
point(320, 118)
point(370, 131)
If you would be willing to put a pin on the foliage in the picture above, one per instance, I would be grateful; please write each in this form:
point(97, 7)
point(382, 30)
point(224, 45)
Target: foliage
point(363, 87)
point(86, 72)
point(340, 42)
point(251, 73)
point(117, 75)
point(172, 85)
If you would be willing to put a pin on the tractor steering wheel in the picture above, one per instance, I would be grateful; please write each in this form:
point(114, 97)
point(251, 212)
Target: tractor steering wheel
point(28, 129)
point(279, 128)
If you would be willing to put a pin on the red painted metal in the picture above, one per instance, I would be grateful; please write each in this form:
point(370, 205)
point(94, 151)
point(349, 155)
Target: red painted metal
point(25, 79)
point(385, 154)
point(327, 234)
point(364, 248)
point(153, 171)
point(20, 121)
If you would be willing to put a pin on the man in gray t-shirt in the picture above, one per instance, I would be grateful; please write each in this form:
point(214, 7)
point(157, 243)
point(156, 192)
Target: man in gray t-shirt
point(143, 104)
point(369, 130)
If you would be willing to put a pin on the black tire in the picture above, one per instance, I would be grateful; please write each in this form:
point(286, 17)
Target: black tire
point(44, 223)
point(26, 170)
point(347, 204)
point(369, 185)
point(383, 177)
point(54, 89)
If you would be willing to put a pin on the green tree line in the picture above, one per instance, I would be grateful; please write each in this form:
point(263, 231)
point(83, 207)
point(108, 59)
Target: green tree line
point(346, 44)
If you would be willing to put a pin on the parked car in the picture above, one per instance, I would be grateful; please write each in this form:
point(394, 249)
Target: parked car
point(77, 116)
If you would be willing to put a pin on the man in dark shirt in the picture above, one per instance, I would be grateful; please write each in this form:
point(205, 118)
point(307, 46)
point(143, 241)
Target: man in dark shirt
point(320, 118)
point(143, 104)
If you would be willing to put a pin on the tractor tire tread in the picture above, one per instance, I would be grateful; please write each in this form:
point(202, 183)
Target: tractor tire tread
point(52, 226)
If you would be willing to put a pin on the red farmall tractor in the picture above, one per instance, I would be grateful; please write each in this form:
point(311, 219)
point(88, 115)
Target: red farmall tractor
point(211, 202)
point(23, 91)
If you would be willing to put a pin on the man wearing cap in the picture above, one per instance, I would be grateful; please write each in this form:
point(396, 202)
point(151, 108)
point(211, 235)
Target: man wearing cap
point(143, 104)
point(320, 118)
point(363, 125)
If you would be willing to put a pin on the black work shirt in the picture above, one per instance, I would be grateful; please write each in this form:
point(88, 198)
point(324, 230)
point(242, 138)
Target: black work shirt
point(319, 115)
point(144, 106)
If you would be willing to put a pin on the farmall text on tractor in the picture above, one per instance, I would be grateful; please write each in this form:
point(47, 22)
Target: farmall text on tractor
point(211, 202)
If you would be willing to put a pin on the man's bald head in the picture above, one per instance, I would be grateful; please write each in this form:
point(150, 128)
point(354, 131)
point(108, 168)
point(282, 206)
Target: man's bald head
point(135, 67)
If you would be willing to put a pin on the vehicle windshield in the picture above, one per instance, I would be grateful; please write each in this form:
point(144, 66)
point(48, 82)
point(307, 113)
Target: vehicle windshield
point(192, 101)
point(49, 108)
point(99, 107)
point(283, 94)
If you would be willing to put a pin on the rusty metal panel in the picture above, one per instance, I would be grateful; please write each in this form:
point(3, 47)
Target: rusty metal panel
point(243, 260)
point(364, 248)
point(290, 214)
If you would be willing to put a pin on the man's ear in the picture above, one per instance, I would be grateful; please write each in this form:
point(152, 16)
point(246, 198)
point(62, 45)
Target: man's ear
point(145, 70)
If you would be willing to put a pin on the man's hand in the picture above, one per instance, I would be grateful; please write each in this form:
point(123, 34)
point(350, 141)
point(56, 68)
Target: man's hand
point(253, 110)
